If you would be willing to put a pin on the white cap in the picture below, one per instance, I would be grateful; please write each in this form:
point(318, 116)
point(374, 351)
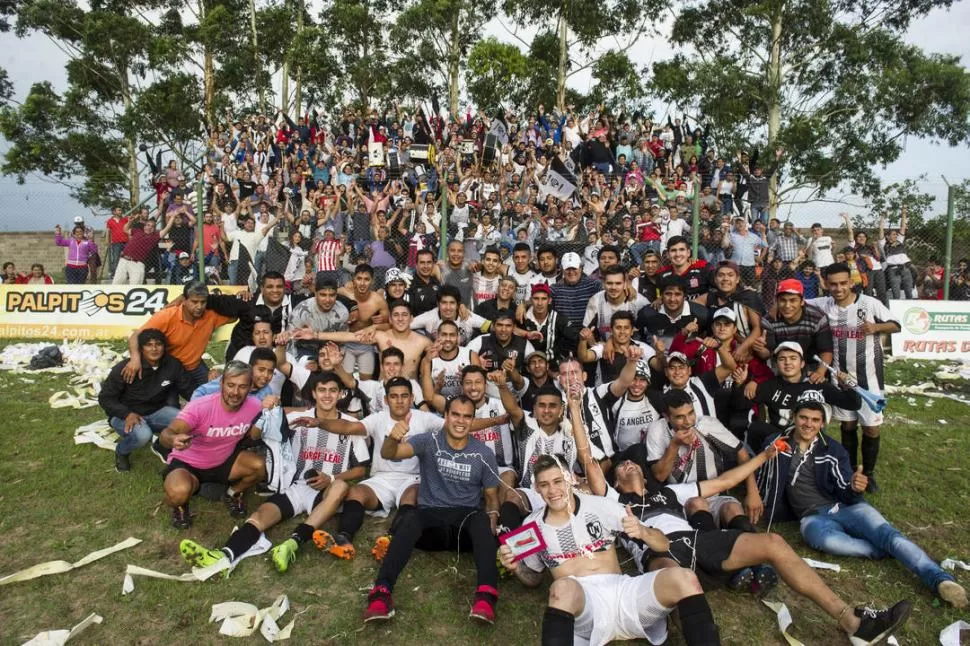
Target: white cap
point(183, 255)
point(571, 260)
point(78, 219)
point(725, 313)
point(789, 345)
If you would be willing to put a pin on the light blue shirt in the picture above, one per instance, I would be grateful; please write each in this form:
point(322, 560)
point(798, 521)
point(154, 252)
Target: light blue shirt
point(214, 385)
point(745, 248)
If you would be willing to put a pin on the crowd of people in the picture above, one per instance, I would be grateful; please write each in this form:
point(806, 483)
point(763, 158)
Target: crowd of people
point(567, 379)
point(329, 193)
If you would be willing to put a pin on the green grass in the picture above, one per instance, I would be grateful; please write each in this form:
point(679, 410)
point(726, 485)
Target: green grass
point(61, 501)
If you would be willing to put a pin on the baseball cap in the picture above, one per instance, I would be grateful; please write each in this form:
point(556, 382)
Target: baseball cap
point(678, 356)
point(183, 254)
point(537, 353)
point(814, 400)
point(571, 260)
point(394, 274)
point(791, 286)
point(726, 313)
point(643, 369)
point(541, 288)
point(78, 219)
point(789, 345)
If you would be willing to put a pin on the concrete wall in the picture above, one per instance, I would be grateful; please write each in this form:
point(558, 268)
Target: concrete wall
point(24, 248)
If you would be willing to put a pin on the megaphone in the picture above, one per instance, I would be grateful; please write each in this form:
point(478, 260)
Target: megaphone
point(874, 401)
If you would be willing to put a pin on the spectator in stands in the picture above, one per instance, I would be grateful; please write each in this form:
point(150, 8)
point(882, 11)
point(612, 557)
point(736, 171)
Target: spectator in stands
point(38, 276)
point(142, 243)
point(116, 236)
point(899, 273)
point(11, 276)
point(79, 252)
point(746, 248)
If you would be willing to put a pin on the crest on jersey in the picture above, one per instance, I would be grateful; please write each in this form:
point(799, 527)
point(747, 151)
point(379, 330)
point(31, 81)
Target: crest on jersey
point(595, 529)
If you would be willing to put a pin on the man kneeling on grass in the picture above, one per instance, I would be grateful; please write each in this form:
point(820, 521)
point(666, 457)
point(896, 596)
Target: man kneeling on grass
point(815, 483)
point(205, 441)
point(456, 469)
point(323, 463)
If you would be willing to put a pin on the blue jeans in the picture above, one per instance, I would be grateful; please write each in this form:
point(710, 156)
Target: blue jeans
point(860, 530)
point(142, 432)
point(640, 248)
point(200, 375)
point(113, 254)
point(75, 275)
point(759, 212)
point(233, 271)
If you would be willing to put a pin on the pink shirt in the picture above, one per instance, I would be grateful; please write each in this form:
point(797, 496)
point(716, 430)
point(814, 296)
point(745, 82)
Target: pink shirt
point(215, 431)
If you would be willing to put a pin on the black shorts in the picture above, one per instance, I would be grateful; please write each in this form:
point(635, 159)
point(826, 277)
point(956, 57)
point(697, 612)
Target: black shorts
point(218, 475)
point(706, 551)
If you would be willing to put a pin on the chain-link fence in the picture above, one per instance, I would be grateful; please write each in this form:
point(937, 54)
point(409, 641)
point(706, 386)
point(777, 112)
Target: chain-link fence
point(624, 211)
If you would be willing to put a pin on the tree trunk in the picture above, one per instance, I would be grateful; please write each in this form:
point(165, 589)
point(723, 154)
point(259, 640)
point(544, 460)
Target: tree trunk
point(298, 81)
point(285, 87)
point(775, 79)
point(454, 62)
point(131, 144)
point(563, 63)
point(208, 75)
point(260, 86)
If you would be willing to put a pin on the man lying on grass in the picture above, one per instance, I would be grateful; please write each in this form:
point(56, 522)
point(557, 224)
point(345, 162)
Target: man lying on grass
point(323, 464)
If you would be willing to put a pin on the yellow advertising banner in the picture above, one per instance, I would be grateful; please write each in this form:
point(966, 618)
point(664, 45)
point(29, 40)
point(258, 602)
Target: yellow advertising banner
point(85, 312)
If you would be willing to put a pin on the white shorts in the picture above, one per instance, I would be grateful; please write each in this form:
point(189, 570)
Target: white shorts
point(865, 415)
point(389, 487)
point(302, 497)
point(619, 607)
point(717, 503)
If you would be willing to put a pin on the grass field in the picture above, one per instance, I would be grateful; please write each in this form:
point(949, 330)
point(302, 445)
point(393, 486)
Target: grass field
point(61, 501)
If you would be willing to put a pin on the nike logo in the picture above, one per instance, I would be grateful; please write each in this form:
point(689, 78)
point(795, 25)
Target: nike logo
point(165, 383)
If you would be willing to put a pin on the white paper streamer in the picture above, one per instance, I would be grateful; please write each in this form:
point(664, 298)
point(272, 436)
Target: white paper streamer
point(197, 574)
point(59, 567)
point(243, 619)
point(61, 637)
point(952, 564)
point(950, 636)
point(822, 565)
point(784, 621)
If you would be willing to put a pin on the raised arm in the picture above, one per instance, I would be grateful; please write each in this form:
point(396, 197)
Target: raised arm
point(737, 475)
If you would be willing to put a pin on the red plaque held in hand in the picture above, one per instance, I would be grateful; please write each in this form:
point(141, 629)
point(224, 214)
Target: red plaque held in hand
point(524, 541)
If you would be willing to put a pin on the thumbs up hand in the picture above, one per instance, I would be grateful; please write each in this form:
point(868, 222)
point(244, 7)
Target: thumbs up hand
point(859, 480)
point(631, 524)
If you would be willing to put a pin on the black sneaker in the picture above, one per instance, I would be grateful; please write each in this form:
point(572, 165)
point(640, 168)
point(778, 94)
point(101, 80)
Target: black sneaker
point(236, 505)
point(872, 487)
point(122, 463)
point(160, 451)
point(181, 519)
point(877, 625)
point(741, 580)
point(765, 578)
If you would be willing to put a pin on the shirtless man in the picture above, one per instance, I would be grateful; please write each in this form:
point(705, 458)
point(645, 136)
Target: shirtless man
point(590, 599)
point(372, 315)
point(401, 336)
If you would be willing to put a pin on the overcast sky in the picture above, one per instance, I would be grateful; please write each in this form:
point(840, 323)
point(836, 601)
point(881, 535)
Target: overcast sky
point(40, 204)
